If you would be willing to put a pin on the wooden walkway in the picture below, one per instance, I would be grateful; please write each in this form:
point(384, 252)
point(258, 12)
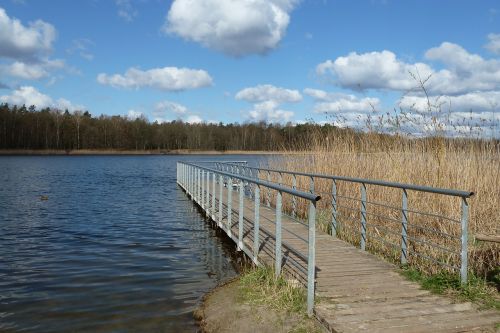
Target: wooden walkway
point(355, 291)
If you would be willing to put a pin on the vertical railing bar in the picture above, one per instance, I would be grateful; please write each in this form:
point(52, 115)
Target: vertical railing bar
point(277, 254)
point(404, 228)
point(240, 216)
point(363, 217)
point(294, 198)
point(214, 190)
point(311, 260)
point(221, 185)
point(464, 240)
point(268, 197)
point(256, 225)
point(229, 205)
point(334, 209)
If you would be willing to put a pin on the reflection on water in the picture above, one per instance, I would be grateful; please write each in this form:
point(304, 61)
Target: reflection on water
point(117, 246)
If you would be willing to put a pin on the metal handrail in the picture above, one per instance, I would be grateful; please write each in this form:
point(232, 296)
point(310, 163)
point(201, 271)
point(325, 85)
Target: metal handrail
point(365, 205)
point(273, 186)
point(412, 187)
point(200, 182)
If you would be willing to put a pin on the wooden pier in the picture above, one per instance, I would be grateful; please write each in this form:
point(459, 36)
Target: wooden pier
point(354, 291)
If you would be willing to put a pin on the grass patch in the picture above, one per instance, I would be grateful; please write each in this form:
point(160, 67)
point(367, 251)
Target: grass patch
point(259, 286)
point(476, 290)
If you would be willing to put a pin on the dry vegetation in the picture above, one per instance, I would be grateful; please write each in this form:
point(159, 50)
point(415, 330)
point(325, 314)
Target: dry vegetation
point(466, 164)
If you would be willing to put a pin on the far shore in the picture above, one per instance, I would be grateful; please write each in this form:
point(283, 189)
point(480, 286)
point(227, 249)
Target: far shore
point(78, 152)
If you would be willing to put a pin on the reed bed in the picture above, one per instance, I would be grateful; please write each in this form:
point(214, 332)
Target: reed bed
point(466, 164)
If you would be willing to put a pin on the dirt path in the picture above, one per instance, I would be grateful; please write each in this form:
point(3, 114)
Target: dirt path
point(223, 310)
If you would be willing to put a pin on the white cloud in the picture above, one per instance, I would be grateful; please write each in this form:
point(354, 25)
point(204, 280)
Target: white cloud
point(166, 79)
point(476, 102)
point(374, 70)
point(494, 43)
point(28, 95)
point(267, 92)
point(133, 114)
point(24, 42)
point(166, 106)
point(464, 71)
point(236, 28)
point(327, 102)
point(267, 100)
point(194, 119)
point(24, 71)
point(125, 10)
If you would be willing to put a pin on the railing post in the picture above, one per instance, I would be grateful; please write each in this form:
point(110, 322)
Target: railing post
point(208, 193)
point(202, 200)
point(221, 185)
point(256, 225)
point(311, 260)
point(404, 228)
point(334, 208)
point(464, 240)
point(294, 198)
point(311, 184)
point(229, 205)
point(268, 196)
point(197, 185)
point(213, 195)
point(240, 217)
point(363, 217)
point(277, 254)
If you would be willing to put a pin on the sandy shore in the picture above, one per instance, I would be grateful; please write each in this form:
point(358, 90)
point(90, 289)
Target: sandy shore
point(223, 310)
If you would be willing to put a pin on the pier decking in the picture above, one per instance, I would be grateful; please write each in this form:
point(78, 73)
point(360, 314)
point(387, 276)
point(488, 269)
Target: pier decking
point(354, 291)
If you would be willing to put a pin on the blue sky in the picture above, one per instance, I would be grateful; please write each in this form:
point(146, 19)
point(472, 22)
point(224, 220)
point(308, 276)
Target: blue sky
point(250, 60)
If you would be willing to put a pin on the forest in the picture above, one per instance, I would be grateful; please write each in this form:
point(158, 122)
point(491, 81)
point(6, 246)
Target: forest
point(31, 129)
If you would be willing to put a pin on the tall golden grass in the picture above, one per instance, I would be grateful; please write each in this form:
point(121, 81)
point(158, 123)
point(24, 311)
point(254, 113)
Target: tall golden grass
point(466, 164)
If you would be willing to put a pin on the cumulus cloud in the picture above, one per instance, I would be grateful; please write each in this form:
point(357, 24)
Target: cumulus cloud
point(463, 72)
point(134, 114)
point(493, 43)
point(267, 100)
point(373, 70)
point(341, 103)
point(267, 92)
point(167, 110)
point(28, 95)
point(236, 28)
point(488, 101)
point(166, 79)
point(31, 71)
point(18, 41)
point(166, 106)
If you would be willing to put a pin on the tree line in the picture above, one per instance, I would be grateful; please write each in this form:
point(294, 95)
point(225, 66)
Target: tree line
point(24, 127)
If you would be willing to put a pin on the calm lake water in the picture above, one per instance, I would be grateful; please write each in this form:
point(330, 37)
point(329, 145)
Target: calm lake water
point(117, 246)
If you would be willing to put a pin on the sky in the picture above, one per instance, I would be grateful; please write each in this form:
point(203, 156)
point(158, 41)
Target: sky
point(344, 62)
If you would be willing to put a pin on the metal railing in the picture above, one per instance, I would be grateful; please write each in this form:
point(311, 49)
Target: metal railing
point(406, 234)
point(213, 189)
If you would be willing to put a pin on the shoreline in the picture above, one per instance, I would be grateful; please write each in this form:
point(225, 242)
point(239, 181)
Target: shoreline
point(103, 152)
point(223, 309)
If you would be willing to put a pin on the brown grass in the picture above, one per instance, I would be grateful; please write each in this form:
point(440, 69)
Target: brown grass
point(470, 165)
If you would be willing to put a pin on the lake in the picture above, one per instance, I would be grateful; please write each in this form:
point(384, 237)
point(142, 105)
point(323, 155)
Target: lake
point(104, 244)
